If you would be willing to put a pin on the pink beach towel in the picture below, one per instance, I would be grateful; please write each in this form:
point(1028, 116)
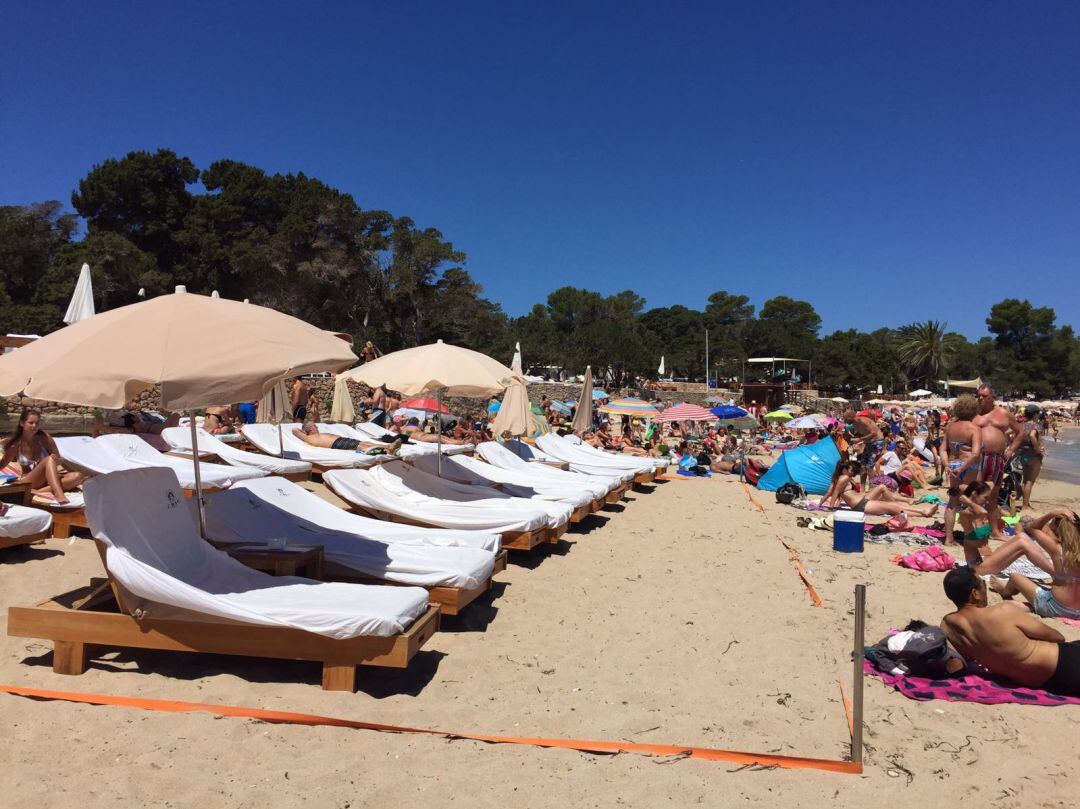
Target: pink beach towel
point(930, 560)
point(971, 688)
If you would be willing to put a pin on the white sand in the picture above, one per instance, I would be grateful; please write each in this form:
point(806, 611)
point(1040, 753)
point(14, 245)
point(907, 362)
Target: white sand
point(679, 620)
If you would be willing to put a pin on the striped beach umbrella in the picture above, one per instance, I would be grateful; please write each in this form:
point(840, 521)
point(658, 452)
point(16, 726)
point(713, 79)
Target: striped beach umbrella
point(538, 425)
point(686, 412)
point(629, 407)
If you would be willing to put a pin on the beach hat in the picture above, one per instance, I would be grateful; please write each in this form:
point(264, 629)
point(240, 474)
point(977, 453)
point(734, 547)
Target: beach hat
point(905, 474)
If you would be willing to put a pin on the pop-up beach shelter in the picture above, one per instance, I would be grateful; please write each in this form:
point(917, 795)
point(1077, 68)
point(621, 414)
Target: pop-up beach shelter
point(811, 467)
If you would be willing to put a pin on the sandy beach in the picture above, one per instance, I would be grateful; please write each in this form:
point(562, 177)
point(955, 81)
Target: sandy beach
point(677, 618)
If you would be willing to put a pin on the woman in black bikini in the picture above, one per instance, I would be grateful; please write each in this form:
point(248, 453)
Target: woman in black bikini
point(38, 458)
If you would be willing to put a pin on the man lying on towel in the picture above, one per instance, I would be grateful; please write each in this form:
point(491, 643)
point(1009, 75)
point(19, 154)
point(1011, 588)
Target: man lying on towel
point(1008, 640)
point(310, 435)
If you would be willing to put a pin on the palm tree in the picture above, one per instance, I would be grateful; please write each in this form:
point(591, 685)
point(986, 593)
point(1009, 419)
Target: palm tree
point(925, 348)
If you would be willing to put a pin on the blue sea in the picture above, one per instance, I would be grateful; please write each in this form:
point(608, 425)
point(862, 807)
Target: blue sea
point(1062, 461)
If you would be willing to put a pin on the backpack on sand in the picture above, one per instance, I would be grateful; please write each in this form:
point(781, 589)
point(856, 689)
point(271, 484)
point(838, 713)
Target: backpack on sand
point(789, 493)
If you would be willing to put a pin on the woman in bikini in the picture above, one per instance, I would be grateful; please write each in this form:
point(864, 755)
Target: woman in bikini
point(39, 459)
point(1057, 533)
point(961, 450)
point(1030, 452)
point(878, 501)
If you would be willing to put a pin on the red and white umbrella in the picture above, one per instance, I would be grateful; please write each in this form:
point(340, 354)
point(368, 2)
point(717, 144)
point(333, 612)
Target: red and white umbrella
point(425, 404)
point(686, 412)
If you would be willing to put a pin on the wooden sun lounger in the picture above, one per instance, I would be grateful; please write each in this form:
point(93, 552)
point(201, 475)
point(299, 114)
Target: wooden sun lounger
point(64, 519)
point(450, 600)
point(95, 615)
point(511, 540)
point(28, 539)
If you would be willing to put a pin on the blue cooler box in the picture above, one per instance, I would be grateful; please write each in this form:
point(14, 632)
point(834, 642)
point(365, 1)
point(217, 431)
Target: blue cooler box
point(847, 534)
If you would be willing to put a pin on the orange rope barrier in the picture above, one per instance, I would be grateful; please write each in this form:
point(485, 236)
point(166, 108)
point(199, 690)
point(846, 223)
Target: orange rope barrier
point(286, 717)
point(794, 556)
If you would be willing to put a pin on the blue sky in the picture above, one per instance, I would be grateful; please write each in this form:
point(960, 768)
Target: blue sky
point(888, 162)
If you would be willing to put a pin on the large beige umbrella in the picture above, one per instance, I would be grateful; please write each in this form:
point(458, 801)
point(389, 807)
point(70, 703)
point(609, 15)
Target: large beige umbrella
point(341, 409)
point(583, 414)
point(274, 405)
point(200, 351)
point(513, 415)
point(439, 368)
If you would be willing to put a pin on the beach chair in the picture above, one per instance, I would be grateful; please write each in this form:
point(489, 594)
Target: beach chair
point(641, 470)
point(518, 459)
point(179, 438)
point(658, 465)
point(23, 525)
point(167, 588)
point(521, 525)
point(265, 438)
point(474, 472)
point(453, 576)
point(618, 479)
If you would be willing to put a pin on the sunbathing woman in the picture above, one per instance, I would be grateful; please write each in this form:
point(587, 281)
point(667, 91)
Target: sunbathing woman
point(877, 501)
point(39, 459)
point(975, 517)
point(1058, 533)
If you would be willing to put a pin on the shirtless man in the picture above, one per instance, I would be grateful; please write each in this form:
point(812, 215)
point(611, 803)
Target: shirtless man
point(1007, 639)
point(310, 434)
point(383, 405)
point(298, 399)
point(414, 431)
point(866, 440)
point(998, 427)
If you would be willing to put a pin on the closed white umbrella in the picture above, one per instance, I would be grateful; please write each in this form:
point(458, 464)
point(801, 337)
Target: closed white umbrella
point(515, 363)
point(920, 392)
point(513, 415)
point(583, 416)
point(342, 407)
point(660, 370)
point(82, 302)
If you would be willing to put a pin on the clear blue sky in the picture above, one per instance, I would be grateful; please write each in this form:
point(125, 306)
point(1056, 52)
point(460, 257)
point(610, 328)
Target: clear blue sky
point(886, 161)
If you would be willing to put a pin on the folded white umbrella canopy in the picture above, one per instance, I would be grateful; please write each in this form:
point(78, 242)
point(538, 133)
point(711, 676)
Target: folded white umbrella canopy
point(583, 415)
point(498, 455)
point(342, 407)
point(309, 507)
point(200, 351)
point(153, 550)
point(241, 516)
point(82, 302)
point(180, 439)
point(274, 405)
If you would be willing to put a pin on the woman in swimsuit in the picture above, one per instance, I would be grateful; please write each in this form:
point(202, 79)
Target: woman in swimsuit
point(961, 450)
point(39, 459)
point(1058, 536)
point(877, 501)
point(1030, 452)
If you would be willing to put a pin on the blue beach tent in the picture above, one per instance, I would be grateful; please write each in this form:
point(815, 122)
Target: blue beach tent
point(811, 467)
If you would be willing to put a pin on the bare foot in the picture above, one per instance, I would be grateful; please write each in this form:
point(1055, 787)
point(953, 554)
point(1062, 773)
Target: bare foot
point(998, 586)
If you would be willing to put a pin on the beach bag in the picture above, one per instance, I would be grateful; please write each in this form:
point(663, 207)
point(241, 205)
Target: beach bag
point(918, 650)
point(789, 493)
point(928, 560)
point(752, 472)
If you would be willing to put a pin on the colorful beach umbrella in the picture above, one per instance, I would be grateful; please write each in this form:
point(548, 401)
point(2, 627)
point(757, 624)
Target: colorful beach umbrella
point(778, 415)
point(686, 412)
point(740, 423)
point(629, 407)
point(426, 404)
point(804, 423)
point(729, 412)
point(599, 394)
point(538, 426)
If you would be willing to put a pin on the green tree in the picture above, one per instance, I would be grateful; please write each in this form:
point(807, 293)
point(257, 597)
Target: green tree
point(784, 328)
point(925, 349)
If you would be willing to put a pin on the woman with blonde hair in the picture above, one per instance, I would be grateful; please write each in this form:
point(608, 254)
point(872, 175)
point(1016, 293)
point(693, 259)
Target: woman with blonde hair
point(1057, 533)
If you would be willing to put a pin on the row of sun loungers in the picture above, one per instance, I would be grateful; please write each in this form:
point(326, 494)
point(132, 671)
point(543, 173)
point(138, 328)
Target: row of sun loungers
point(439, 542)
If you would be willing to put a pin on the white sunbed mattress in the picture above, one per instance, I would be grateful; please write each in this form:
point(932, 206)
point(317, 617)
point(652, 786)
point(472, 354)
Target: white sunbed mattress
point(83, 453)
point(214, 475)
point(179, 438)
point(474, 472)
point(154, 550)
point(499, 455)
point(603, 471)
point(370, 431)
point(589, 449)
point(265, 437)
point(22, 521)
point(562, 449)
point(240, 516)
point(359, 486)
point(309, 507)
point(407, 481)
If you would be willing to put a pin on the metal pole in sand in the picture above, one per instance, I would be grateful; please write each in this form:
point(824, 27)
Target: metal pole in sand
point(198, 473)
point(857, 681)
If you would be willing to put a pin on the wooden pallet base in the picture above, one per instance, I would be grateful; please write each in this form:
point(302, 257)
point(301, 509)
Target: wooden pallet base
point(63, 520)
point(29, 539)
point(73, 630)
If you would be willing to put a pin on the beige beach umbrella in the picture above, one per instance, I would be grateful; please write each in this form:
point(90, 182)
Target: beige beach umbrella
point(438, 368)
point(274, 405)
point(200, 351)
point(513, 415)
point(342, 407)
point(583, 415)
point(839, 400)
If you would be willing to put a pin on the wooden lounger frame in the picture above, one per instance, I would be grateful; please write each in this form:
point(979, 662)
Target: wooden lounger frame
point(27, 539)
point(450, 600)
point(64, 519)
point(81, 618)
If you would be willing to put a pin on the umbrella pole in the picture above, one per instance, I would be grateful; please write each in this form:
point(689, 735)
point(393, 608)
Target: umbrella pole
point(198, 473)
point(438, 420)
point(280, 442)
